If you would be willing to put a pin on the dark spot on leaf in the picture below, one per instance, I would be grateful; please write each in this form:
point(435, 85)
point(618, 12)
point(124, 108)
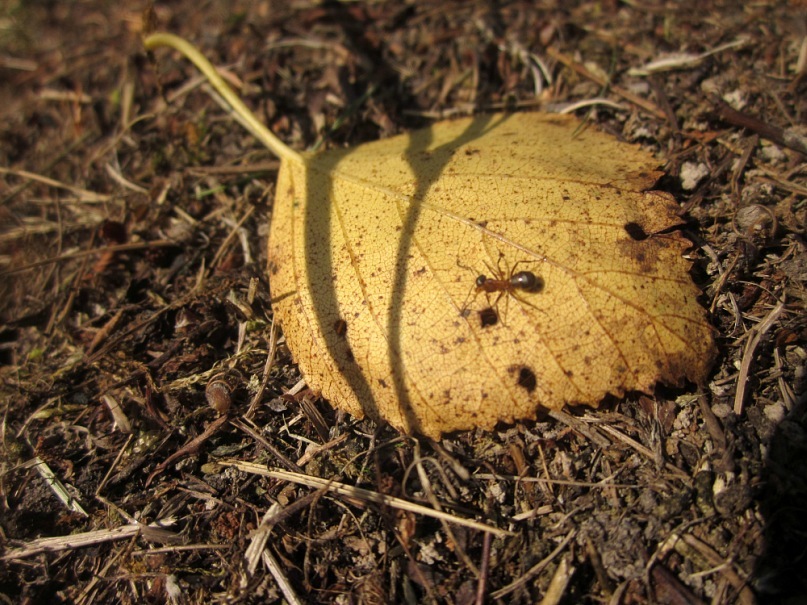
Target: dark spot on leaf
point(382, 382)
point(635, 231)
point(527, 379)
point(488, 317)
point(482, 224)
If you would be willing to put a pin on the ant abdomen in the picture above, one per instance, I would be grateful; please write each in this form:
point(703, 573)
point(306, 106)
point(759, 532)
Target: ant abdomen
point(527, 281)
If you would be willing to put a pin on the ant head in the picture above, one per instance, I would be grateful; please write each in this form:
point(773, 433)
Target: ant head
point(480, 281)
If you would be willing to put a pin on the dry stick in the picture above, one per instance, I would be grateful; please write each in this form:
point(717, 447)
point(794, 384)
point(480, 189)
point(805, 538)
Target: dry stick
point(160, 243)
point(85, 596)
point(189, 448)
point(483, 571)
point(668, 588)
point(83, 194)
point(105, 330)
point(359, 493)
point(595, 560)
point(427, 488)
point(625, 94)
point(783, 138)
point(712, 423)
point(230, 237)
point(277, 573)
point(599, 484)
point(316, 450)
point(535, 569)
point(580, 426)
point(259, 538)
point(756, 333)
point(267, 166)
point(183, 548)
point(138, 325)
point(727, 568)
point(15, 191)
point(272, 449)
point(149, 532)
point(645, 451)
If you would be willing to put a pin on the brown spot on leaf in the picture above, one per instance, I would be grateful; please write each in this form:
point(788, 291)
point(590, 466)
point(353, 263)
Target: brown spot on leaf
point(488, 317)
point(527, 379)
point(635, 231)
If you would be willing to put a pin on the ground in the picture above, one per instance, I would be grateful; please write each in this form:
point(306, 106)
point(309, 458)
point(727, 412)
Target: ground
point(135, 308)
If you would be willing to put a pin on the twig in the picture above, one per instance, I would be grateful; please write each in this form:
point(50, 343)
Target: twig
point(427, 488)
point(83, 194)
point(230, 237)
point(271, 448)
point(483, 570)
point(359, 493)
point(783, 138)
point(161, 243)
point(315, 450)
point(580, 426)
point(151, 532)
point(712, 423)
point(189, 448)
point(260, 536)
point(595, 560)
point(645, 451)
point(713, 558)
point(755, 336)
point(277, 573)
point(535, 569)
point(625, 94)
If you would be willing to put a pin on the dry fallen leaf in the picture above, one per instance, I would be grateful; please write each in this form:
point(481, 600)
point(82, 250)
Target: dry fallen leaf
point(375, 255)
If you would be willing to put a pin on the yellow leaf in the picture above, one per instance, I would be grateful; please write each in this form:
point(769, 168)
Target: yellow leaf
point(474, 271)
point(375, 252)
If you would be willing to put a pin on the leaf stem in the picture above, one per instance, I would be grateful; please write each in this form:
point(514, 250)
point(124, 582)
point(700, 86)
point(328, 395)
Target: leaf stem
point(248, 119)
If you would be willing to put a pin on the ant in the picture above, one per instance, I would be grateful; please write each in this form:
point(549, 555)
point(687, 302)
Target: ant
point(521, 280)
point(525, 281)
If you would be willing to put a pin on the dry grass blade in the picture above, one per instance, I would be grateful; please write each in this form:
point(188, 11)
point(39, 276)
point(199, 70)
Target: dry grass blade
point(153, 532)
point(56, 486)
point(360, 494)
point(89, 197)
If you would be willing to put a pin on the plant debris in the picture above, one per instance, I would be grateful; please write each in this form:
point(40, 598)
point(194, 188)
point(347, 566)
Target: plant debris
point(132, 251)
